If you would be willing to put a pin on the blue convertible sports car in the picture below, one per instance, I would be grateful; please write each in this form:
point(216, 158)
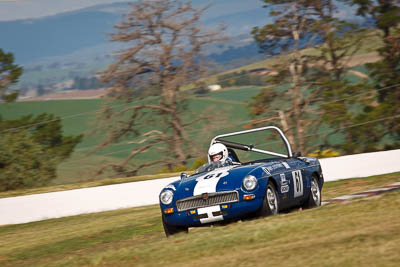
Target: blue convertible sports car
point(224, 191)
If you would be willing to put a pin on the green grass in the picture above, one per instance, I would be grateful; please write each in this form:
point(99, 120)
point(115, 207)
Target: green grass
point(360, 233)
point(78, 116)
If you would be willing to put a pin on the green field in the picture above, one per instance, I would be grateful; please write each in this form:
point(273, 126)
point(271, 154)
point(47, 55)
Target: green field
point(227, 107)
point(79, 117)
point(364, 232)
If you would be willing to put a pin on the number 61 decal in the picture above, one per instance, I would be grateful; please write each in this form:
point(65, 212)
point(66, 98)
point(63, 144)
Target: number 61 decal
point(297, 183)
point(215, 174)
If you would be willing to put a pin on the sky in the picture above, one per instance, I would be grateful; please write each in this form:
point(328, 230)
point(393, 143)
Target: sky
point(26, 9)
point(11, 10)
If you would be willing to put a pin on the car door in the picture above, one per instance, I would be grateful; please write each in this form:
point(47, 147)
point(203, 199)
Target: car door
point(284, 189)
point(297, 181)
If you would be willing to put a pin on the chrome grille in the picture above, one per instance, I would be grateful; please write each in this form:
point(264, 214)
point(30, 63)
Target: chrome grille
point(212, 199)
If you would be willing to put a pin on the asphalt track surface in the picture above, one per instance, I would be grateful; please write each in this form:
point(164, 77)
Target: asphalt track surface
point(23, 209)
point(368, 193)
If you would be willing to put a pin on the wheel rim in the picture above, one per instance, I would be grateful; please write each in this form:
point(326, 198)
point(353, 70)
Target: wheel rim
point(315, 192)
point(272, 201)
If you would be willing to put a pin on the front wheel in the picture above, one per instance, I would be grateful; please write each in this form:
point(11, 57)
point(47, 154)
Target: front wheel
point(270, 204)
point(172, 229)
point(314, 199)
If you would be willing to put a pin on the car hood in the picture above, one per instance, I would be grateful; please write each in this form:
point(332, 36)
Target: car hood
point(222, 179)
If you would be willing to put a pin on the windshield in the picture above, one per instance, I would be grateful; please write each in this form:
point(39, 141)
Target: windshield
point(213, 165)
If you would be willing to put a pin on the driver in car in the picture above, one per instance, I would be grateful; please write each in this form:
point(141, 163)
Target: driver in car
point(218, 157)
point(219, 152)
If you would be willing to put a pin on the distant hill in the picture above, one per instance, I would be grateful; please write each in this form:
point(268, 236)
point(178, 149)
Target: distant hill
point(57, 48)
point(32, 40)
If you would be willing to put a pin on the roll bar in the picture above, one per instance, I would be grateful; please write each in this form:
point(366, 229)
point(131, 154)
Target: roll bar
point(217, 139)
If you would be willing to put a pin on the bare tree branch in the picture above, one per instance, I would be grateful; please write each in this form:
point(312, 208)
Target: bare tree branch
point(164, 53)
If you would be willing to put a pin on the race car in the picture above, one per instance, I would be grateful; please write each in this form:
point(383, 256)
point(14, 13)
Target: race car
point(231, 190)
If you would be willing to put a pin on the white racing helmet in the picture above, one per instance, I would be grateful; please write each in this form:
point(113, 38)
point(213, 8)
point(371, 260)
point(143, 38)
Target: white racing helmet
point(218, 149)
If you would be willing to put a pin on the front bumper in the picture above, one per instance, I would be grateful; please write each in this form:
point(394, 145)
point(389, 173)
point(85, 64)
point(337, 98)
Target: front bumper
point(213, 214)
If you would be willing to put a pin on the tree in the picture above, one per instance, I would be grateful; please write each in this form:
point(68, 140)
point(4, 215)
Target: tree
point(23, 162)
point(337, 107)
point(30, 150)
point(386, 71)
point(165, 52)
point(306, 81)
point(9, 74)
point(386, 13)
point(289, 33)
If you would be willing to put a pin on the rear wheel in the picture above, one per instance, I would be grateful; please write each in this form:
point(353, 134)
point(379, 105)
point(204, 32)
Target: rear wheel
point(314, 199)
point(172, 229)
point(270, 204)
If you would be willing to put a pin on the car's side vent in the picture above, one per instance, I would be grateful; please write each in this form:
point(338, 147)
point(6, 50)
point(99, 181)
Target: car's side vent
point(206, 200)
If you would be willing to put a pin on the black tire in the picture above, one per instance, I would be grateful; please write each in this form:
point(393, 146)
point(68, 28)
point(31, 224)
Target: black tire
point(172, 229)
point(315, 196)
point(270, 204)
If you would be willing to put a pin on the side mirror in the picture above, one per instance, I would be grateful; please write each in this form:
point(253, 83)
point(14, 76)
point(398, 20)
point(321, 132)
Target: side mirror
point(296, 154)
point(183, 175)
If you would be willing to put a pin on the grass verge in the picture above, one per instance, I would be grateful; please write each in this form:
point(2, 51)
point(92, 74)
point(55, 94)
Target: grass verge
point(363, 232)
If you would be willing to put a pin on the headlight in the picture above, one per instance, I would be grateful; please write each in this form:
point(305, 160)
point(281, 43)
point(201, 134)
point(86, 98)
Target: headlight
point(166, 197)
point(250, 182)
